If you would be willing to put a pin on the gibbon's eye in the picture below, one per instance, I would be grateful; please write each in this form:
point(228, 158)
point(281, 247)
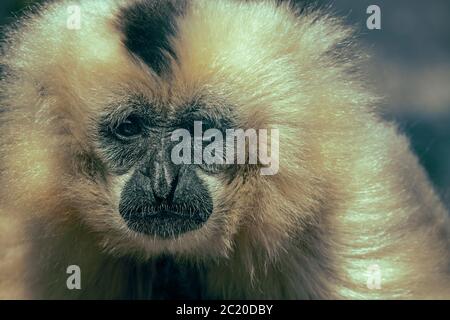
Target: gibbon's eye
point(130, 128)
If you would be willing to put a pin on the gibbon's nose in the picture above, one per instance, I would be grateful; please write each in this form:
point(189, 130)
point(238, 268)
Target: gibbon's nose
point(163, 176)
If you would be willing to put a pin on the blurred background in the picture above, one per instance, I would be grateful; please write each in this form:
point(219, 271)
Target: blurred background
point(410, 67)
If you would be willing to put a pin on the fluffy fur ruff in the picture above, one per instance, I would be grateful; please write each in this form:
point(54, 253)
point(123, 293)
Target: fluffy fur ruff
point(349, 193)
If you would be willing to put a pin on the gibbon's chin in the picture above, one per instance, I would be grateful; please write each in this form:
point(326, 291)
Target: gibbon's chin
point(155, 234)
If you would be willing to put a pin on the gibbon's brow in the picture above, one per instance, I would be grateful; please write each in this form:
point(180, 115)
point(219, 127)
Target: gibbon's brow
point(217, 117)
point(212, 116)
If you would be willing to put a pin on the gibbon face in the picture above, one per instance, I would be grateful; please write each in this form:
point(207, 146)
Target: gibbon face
point(158, 197)
point(103, 101)
point(152, 203)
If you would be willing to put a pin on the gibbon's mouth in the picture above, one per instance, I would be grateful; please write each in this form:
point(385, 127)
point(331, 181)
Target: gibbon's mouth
point(164, 222)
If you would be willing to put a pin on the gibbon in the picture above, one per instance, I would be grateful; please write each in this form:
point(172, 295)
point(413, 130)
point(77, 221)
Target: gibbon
point(87, 180)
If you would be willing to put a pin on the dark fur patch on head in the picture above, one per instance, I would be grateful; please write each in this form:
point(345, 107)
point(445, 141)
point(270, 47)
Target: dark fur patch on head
point(148, 26)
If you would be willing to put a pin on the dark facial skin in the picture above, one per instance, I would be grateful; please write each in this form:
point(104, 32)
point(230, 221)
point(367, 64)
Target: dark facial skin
point(165, 206)
point(161, 198)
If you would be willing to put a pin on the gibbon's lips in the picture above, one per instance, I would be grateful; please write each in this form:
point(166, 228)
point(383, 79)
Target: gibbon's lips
point(165, 221)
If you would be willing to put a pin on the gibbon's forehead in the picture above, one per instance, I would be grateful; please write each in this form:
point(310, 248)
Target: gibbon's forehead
point(222, 51)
